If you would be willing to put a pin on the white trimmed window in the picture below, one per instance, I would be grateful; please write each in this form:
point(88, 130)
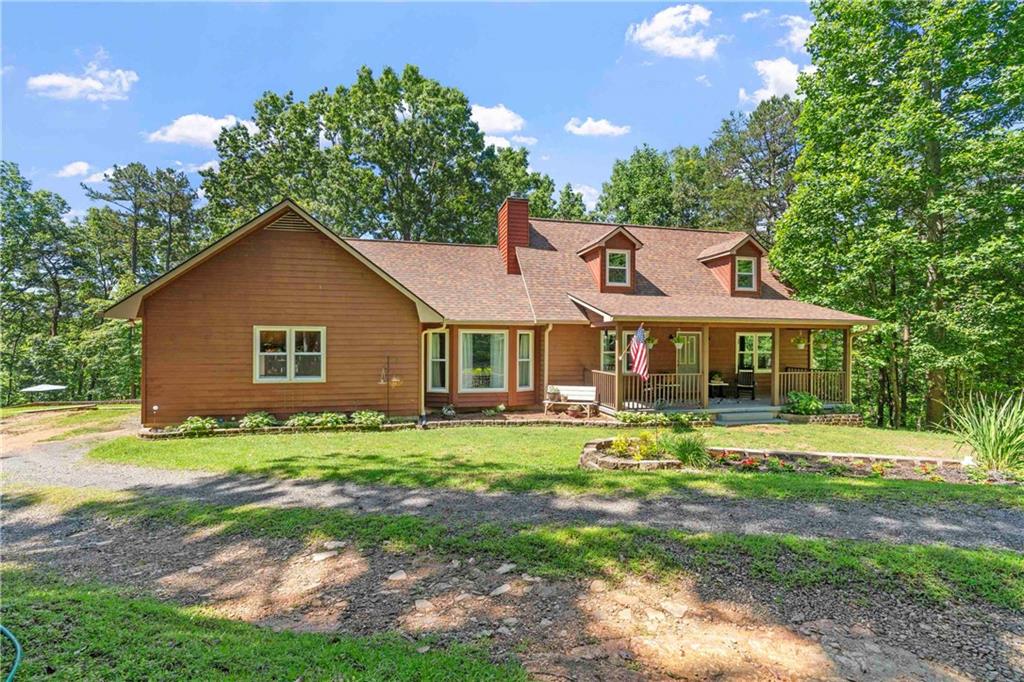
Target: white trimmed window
point(746, 273)
point(437, 362)
point(608, 350)
point(627, 357)
point(754, 352)
point(616, 267)
point(482, 361)
point(289, 354)
point(524, 361)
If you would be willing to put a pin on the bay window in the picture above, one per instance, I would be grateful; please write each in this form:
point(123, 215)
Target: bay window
point(482, 361)
point(754, 352)
point(289, 354)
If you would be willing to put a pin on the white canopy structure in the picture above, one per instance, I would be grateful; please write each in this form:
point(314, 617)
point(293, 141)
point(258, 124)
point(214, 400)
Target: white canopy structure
point(43, 388)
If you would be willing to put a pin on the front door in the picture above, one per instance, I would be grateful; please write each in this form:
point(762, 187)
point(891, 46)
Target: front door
point(688, 353)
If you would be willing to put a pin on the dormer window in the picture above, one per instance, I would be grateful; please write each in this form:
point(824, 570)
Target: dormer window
point(746, 273)
point(616, 267)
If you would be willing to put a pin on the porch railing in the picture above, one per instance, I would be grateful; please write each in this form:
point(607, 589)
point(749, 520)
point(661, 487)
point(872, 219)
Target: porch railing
point(827, 385)
point(658, 392)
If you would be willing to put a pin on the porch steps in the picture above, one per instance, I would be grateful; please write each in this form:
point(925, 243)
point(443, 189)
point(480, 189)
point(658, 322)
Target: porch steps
point(766, 416)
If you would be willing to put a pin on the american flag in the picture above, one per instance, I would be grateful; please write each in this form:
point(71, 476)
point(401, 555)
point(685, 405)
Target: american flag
point(638, 353)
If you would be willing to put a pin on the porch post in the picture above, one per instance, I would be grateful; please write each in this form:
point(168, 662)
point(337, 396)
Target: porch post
point(848, 365)
point(704, 360)
point(776, 338)
point(618, 367)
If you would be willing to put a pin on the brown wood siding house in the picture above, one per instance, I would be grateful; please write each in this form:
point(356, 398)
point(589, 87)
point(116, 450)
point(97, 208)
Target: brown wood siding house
point(283, 316)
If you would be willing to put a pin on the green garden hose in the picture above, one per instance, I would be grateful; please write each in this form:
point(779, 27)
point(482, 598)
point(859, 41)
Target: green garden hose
point(17, 652)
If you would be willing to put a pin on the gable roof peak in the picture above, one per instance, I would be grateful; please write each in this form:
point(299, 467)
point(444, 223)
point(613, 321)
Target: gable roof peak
point(620, 229)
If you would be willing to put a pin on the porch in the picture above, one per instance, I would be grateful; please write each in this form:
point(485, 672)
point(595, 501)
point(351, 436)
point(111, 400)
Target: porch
point(683, 362)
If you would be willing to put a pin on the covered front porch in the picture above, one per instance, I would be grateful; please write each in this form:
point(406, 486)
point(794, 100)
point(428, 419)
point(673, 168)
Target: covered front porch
point(721, 367)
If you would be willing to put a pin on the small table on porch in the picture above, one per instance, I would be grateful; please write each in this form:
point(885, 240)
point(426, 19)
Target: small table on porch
point(716, 389)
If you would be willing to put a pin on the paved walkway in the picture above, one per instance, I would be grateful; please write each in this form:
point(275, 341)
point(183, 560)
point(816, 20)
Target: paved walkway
point(63, 464)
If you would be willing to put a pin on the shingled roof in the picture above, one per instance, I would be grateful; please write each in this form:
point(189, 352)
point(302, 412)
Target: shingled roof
point(469, 283)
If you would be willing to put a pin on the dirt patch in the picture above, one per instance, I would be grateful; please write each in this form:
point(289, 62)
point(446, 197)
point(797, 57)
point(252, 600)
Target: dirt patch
point(708, 626)
point(21, 431)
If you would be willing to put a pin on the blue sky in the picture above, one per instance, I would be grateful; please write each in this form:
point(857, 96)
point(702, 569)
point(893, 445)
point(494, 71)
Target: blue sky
point(87, 86)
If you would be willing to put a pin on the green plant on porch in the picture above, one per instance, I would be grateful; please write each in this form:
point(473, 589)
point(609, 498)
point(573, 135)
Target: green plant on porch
point(716, 377)
point(801, 402)
point(799, 342)
point(678, 339)
point(993, 427)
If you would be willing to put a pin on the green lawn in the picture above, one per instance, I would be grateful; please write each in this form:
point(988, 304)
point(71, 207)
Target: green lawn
point(822, 438)
point(926, 572)
point(514, 459)
point(85, 422)
point(91, 632)
point(21, 409)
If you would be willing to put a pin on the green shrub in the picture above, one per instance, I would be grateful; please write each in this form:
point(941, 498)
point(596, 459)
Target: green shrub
point(688, 448)
point(197, 425)
point(845, 408)
point(330, 419)
point(256, 420)
point(657, 419)
point(643, 446)
point(302, 420)
point(994, 427)
point(493, 411)
point(801, 402)
point(368, 419)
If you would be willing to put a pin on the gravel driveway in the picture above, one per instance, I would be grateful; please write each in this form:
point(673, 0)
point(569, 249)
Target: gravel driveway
point(63, 464)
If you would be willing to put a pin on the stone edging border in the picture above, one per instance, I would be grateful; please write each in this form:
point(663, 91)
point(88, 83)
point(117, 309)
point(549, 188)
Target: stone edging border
point(593, 457)
point(828, 418)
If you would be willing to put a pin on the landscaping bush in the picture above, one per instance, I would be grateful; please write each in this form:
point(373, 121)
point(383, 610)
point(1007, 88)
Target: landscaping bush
point(330, 419)
point(493, 411)
point(801, 402)
point(644, 446)
point(845, 408)
point(368, 419)
point(994, 427)
point(302, 420)
point(681, 420)
point(197, 425)
point(257, 420)
point(688, 448)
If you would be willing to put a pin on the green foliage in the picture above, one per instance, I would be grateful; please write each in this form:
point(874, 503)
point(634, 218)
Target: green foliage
point(908, 206)
point(257, 420)
point(570, 204)
point(801, 402)
point(197, 425)
point(301, 420)
point(330, 419)
point(368, 419)
point(993, 427)
point(641, 446)
point(493, 411)
point(682, 420)
point(639, 190)
point(688, 448)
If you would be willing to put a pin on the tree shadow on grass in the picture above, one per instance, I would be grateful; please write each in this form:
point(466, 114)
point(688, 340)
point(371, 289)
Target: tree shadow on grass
point(257, 561)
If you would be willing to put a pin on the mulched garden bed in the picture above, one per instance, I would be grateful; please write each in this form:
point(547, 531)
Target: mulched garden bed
point(596, 456)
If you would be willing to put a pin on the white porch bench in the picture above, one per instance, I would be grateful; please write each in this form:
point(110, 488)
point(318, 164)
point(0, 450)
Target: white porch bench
point(584, 396)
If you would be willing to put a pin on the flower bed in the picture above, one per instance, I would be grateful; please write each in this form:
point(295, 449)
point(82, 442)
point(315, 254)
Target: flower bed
point(596, 455)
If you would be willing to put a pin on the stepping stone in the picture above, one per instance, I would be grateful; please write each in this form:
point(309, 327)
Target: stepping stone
point(500, 590)
point(335, 544)
point(196, 569)
point(505, 568)
point(398, 575)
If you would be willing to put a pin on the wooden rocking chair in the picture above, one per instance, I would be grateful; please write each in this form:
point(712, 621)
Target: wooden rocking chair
point(745, 382)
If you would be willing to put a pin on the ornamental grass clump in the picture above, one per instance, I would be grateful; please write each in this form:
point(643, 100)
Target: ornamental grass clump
point(688, 448)
point(993, 427)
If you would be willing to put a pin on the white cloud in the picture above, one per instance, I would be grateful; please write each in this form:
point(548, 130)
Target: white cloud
point(747, 16)
point(73, 169)
point(602, 127)
point(590, 195)
point(799, 31)
point(675, 32)
point(198, 130)
point(497, 119)
point(196, 167)
point(497, 140)
point(524, 139)
point(74, 214)
point(99, 176)
point(703, 80)
point(778, 78)
point(95, 84)
point(6, 69)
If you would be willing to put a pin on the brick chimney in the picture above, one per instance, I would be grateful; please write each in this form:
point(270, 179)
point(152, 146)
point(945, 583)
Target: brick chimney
point(513, 231)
